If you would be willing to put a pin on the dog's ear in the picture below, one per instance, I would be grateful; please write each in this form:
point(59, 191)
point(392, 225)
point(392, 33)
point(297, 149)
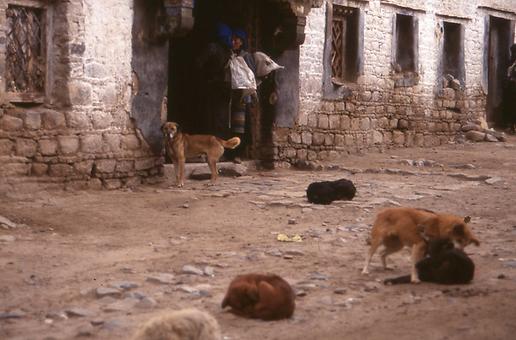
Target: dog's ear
point(467, 219)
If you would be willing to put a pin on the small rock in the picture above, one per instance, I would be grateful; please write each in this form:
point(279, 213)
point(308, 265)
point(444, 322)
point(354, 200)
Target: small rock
point(127, 270)
point(97, 322)
point(6, 222)
point(501, 276)
point(475, 136)
point(7, 238)
point(371, 287)
point(288, 257)
point(340, 291)
point(78, 312)
point(294, 252)
point(490, 138)
point(274, 252)
point(85, 332)
point(292, 221)
point(124, 285)
point(318, 276)
point(186, 205)
point(188, 289)
point(57, 316)
point(306, 210)
point(306, 285)
point(146, 302)
point(15, 314)
point(493, 180)
point(104, 291)
point(162, 278)
point(121, 306)
point(300, 292)
point(112, 325)
point(209, 271)
point(189, 269)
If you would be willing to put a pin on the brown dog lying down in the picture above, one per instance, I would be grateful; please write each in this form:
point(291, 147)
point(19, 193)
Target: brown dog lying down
point(181, 146)
point(266, 297)
point(189, 323)
point(395, 228)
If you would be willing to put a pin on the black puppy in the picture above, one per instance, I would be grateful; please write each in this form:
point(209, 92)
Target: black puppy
point(444, 264)
point(329, 191)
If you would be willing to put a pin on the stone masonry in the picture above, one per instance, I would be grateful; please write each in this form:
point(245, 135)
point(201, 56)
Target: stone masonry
point(82, 135)
point(377, 114)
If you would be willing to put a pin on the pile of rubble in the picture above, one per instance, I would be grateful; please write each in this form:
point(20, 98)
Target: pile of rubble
point(478, 131)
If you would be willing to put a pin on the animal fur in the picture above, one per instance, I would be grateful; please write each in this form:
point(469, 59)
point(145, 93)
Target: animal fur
point(266, 297)
point(395, 228)
point(181, 146)
point(191, 324)
point(444, 264)
point(328, 191)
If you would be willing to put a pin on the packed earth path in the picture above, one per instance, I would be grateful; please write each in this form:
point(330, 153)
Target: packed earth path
point(99, 263)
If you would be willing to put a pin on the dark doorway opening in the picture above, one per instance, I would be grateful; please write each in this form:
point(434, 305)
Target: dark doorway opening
point(501, 36)
point(197, 104)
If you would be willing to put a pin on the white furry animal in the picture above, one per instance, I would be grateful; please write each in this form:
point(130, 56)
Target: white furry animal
point(185, 324)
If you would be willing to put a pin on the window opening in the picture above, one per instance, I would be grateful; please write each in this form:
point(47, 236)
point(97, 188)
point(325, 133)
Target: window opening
point(25, 50)
point(405, 49)
point(344, 54)
point(452, 50)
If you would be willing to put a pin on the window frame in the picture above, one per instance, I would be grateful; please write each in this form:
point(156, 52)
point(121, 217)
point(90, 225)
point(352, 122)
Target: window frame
point(334, 89)
point(27, 97)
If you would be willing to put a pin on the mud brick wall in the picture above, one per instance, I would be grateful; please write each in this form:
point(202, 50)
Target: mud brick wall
point(82, 136)
point(376, 114)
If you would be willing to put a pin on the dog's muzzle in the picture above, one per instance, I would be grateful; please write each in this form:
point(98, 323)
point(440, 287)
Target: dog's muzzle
point(170, 135)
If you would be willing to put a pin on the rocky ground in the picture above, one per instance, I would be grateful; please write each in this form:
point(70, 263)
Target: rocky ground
point(96, 264)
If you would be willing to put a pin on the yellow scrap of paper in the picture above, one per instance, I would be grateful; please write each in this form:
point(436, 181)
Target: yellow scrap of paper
point(286, 238)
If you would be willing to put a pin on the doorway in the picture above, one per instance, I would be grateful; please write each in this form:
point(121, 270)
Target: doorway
point(500, 35)
point(196, 99)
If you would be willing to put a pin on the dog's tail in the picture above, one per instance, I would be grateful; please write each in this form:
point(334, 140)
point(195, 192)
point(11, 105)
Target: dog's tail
point(397, 280)
point(230, 143)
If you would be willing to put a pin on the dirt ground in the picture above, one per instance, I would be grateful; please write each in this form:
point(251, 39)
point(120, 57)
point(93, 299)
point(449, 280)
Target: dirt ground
point(68, 248)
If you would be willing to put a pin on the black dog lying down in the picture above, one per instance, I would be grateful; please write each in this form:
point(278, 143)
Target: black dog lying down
point(329, 191)
point(444, 264)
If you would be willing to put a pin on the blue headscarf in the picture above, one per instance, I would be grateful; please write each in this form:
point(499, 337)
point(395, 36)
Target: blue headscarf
point(224, 34)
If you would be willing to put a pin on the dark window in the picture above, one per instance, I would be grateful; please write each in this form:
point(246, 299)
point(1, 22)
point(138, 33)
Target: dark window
point(406, 43)
point(25, 51)
point(453, 60)
point(344, 44)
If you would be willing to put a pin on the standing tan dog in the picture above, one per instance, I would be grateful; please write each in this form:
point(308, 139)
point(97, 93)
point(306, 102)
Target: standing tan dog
point(181, 146)
point(396, 228)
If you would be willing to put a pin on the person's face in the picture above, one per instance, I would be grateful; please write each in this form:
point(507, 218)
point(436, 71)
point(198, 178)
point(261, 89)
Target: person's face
point(236, 42)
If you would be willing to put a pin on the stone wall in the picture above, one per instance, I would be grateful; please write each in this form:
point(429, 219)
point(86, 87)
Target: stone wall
point(377, 114)
point(82, 136)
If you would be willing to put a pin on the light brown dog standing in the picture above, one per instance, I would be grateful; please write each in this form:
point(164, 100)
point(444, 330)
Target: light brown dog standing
point(395, 228)
point(266, 297)
point(181, 146)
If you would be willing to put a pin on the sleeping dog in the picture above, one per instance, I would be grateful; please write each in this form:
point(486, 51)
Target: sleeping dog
point(266, 297)
point(444, 264)
point(328, 191)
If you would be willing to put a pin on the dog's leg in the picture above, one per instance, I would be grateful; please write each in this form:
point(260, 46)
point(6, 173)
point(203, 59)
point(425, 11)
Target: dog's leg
point(386, 252)
point(212, 163)
point(374, 245)
point(181, 178)
point(418, 252)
